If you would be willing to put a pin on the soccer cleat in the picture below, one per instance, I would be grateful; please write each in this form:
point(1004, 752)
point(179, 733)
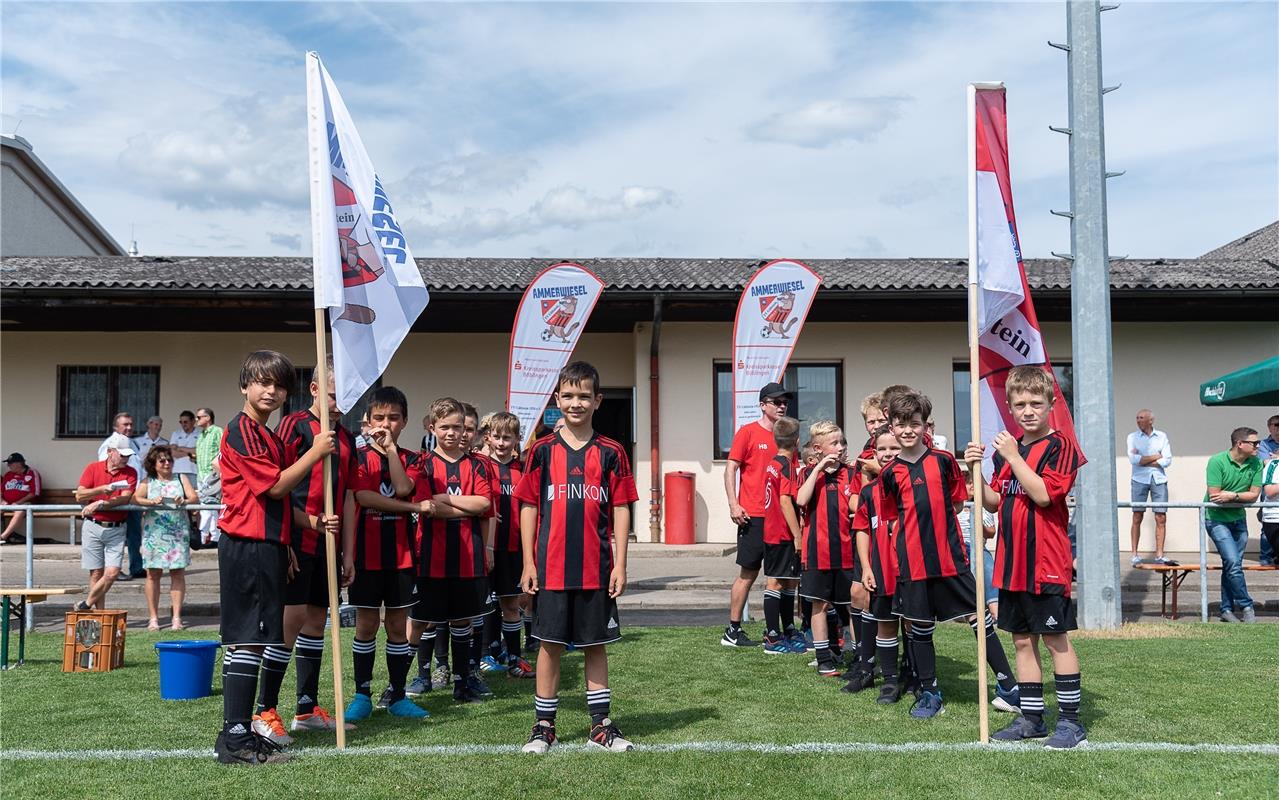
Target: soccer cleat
point(519, 668)
point(441, 677)
point(860, 679)
point(1067, 736)
point(1009, 701)
point(360, 707)
point(407, 709)
point(1021, 729)
point(540, 741)
point(606, 736)
point(737, 638)
point(928, 705)
point(317, 720)
point(477, 685)
point(491, 664)
point(384, 699)
point(776, 646)
point(828, 670)
point(418, 686)
point(888, 694)
point(248, 749)
point(463, 694)
point(269, 726)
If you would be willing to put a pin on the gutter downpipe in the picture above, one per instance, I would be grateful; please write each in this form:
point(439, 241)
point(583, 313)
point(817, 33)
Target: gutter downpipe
point(654, 407)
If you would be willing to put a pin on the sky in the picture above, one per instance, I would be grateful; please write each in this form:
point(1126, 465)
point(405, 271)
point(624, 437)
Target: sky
point(574, 130)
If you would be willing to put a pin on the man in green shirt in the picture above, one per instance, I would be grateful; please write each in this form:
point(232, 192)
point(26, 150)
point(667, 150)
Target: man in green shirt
point(1234, 480)
point(206, 450)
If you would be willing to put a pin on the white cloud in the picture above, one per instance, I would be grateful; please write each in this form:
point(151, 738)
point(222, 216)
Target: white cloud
point(827, 122)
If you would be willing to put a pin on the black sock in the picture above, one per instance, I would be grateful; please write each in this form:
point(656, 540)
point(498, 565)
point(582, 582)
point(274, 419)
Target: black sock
point(310, 654)
point(511, 636)
point(734, 625)
point(1032, 702)
point(825, 659)
point(866, 641)
point(275, 662)
point(238, 687)
point(806, 613)
point(773, 613)
point(834, 629)
point(530, 642)
point(1069, 696)
point(886, 652)
point(461, 638)
point(545, 707)
point(425, 647)
point(924, 655)
point(493, 634)
point(787, 610)
point(477, 642)
point(441, 646)
point(597, 702)
point(841, 611)
point(364, 652)
point(995, 655)
point(399, 657)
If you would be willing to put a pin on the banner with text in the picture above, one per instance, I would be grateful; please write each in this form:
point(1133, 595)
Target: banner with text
point(550, 320)
point(770, 316)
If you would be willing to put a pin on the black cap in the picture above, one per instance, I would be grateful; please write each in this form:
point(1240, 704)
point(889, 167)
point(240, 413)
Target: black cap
point(15, 457)
point(772, 390)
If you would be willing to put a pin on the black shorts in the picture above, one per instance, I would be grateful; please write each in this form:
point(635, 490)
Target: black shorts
point(940, 599)
point(310, 584)
point(1026, 612)
point(442, 600)
point(750, 544)
point(507, 569)
point(829, 585)
point(378, 588)
point(251, 578)
point(781, 561)
point(881, 608)
point(582, 617)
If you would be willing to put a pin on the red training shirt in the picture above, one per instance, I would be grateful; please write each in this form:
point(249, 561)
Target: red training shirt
point(382, 537)
point(97, 474)
point(921, 497)
point(883, 560)
point(1032, 552)
point(828, 528)
point(779, 481)
point(298, 431)
point(753, 447)
point(452, 548)
point(504, 478)
point(575, 492)
point(252, 458)
point(18, 485)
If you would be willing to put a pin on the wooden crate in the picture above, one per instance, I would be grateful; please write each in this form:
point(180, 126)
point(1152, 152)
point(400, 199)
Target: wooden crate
point(93, 641)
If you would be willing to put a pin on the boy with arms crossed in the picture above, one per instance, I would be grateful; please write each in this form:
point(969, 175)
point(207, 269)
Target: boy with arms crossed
point(879, 570)
point(1032, 559)
point(574, 495)
point(781, 540)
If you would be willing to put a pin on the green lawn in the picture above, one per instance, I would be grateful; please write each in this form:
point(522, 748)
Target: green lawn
point(1188, 684)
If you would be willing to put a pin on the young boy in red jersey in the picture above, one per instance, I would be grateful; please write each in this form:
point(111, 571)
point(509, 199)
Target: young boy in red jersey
point(253, 556)
point(923, 488)
point(828, 494)
point(781, 542)
point(378, 559)
point(873, 417)
point(1032, 477)
point(306, 599)
point(574, 497)
point(456, 551)
point(879, 570)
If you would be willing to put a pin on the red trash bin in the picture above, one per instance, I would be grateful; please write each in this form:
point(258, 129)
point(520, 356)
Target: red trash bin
point(678, 504)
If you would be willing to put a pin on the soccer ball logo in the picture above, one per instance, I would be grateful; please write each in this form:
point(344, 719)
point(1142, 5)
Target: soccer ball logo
point(558, 314)
point(776, 311)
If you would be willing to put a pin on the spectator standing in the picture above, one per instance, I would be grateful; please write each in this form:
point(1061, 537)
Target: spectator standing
point(207, 445)
point(165, 533)
point(21, 486)
point(1150, 454)
point(104, 485)
point(1270, 494)
point(122, 425)
point(143, 444)
point(182, 442)
point(1234, 480)
point(1267, 450)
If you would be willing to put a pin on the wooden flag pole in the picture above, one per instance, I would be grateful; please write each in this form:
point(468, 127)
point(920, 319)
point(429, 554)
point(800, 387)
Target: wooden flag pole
point(332, 543)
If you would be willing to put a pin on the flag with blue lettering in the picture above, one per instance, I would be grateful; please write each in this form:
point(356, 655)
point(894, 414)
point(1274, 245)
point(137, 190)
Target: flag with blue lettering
point(365, 274)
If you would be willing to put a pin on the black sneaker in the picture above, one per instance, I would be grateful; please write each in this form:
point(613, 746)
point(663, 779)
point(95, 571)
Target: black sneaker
point(737, 638)
point(463, 693)
point(861, 679)
point(83, 606)
point(248, 749)
point(888, 694)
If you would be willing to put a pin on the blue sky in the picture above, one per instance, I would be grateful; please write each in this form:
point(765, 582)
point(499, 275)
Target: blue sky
point(576, 130)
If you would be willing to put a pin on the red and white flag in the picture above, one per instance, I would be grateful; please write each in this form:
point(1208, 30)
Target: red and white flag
point(770, 316)
point(365, 274)
point(548, 324)
point(1007, 328)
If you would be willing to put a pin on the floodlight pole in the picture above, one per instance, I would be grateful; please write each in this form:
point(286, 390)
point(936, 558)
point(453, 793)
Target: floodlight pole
point(1100, 603)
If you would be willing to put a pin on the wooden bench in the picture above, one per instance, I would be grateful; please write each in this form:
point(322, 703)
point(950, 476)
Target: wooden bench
point(1174, 574)
point(18, 611)
point(58, 497)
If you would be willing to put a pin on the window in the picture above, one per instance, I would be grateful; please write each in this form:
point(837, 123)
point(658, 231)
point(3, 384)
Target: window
point(89, 397)
point(819, 394)
point(1065, 374)
point(301, 398)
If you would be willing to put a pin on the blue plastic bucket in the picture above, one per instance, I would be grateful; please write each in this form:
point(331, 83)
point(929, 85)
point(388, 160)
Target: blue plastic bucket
point(186, 669)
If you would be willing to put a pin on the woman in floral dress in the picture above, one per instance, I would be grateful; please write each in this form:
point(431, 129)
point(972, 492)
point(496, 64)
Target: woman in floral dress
point(165, 533)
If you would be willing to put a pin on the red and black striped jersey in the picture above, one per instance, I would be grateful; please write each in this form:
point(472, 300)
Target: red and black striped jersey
point(883, 559)
point(251, 458)
point(452, 548)
point(383, 539)
point(920, 496)
point(298, 431)
point(575, 492)
point(828, 538)
point(1033, 549)
point(504, 478)
point(779, 480)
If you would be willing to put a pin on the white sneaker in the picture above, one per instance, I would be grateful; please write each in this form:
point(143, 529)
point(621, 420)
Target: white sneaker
point(1135, 560)
point(606, 736)
point(540, 740)
point(318, 720)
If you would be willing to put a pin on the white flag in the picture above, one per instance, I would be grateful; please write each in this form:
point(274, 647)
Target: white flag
point(364, 271)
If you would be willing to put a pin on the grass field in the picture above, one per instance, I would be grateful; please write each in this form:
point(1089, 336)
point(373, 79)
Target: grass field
point(710, 717)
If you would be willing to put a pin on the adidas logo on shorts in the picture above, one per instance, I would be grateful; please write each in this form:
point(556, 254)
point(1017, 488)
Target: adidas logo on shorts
point(1051, 621)
point(612, 623)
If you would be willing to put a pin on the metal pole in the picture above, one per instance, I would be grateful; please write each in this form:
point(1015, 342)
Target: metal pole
point(28, 618)
point(1099, 595)
point(1203, 564)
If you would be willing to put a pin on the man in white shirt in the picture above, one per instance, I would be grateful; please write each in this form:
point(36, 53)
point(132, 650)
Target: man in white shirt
point(1150, 455)
point(183, 443)
point(143, 444)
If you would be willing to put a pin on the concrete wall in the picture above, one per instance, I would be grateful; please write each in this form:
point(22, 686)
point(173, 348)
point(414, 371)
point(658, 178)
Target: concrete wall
point(33, 223)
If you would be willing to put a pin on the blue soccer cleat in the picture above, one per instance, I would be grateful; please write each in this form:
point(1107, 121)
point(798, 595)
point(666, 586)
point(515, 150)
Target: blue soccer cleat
point(491, 664)
point(927, 706)
point(407, 709)
point(1009, 701)
point(360, 707)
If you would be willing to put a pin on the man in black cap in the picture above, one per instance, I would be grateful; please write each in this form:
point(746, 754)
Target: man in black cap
point(752, 450)
point(21, 486)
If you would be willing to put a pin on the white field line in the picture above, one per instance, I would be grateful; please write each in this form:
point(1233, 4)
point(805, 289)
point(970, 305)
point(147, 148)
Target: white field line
point(673, 747)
